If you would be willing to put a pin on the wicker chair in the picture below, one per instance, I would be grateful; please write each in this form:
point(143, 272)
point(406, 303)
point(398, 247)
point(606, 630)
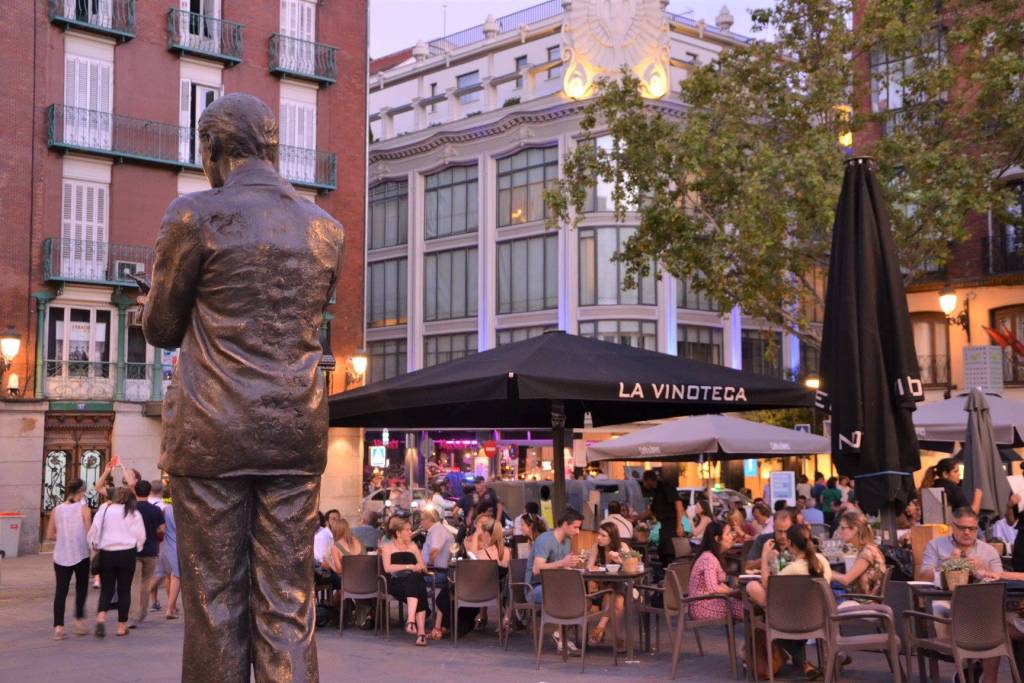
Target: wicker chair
point(977, 625)
point(676, 594)
point(885, 640)
point(796, 610)
point(476, 585)
point(566, 602)
point(361, 580)
point(520, 596)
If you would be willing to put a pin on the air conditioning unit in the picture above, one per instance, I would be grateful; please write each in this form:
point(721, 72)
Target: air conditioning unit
point(123, 270)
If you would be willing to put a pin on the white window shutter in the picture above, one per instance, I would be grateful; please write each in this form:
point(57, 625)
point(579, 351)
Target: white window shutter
point(185, 121)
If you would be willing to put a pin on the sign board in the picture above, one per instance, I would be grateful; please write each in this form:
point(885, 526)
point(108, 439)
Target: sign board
point(750, 468)
point(1017, 486)
point(490, 448)
point(378, 456)
point(783, 487)
point(933, 506)
point(983, 367)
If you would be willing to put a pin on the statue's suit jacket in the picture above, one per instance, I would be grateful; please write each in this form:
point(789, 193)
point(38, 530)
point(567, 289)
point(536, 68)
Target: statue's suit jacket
point(242, 277)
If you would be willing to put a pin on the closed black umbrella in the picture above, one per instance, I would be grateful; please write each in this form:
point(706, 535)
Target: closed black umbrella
point(870, 379)
point(554, 380)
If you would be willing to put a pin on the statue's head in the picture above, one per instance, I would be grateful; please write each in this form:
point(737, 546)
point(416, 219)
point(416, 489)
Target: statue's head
point(234, 128)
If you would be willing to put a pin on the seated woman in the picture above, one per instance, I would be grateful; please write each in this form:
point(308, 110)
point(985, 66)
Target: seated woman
point(868, 571)
point(344, 544)
point(533, 526)
point(707, 577)
point(701, 518)
point(737, 522)
point(803, 560)
point(608, 549)
point(405, 568)
point(489, 541)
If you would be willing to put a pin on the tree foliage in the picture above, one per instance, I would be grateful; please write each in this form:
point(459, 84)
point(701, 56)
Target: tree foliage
point(738, 185)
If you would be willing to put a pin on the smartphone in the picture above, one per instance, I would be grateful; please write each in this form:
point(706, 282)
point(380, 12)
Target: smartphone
point(142, 281)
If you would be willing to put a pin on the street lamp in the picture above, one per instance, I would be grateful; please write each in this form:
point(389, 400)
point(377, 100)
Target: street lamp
point(812, 383)
point(10, 344)
point(948, 301)
point(356, 369)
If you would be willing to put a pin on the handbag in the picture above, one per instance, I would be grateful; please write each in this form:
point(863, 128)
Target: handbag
point(94, 563)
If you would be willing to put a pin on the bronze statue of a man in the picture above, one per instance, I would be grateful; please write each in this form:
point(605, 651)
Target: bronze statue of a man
point(242, 278)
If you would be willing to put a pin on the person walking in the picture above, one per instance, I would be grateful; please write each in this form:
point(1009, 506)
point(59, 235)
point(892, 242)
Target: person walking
point(167, 563)
point(145, 560)
point(68, 526)
point(156, 497)
point(665, 507)
point(118, 533)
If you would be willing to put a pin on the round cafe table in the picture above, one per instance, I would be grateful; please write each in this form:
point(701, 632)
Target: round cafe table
point(628, 582)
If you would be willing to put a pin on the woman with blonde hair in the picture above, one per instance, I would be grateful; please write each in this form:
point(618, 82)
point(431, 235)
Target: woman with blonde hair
point(867, 574)
point(344, 544)
point(405, 568)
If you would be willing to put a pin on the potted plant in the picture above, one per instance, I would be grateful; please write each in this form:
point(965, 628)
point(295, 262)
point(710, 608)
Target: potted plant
point(956, 571)
point(630, 560)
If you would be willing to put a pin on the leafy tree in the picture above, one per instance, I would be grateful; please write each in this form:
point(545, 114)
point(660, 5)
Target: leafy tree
point(738, 186)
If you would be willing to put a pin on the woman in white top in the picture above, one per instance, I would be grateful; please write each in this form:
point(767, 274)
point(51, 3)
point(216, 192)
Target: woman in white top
point(68, 525)
point(118, 533)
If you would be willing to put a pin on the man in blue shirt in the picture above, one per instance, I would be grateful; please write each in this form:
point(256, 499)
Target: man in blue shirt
point(812, 515)
point(553, 550)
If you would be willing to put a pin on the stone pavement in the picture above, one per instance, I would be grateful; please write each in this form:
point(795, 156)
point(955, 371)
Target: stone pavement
point(152, 652)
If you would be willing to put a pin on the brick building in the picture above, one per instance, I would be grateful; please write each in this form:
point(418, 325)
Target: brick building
point(101, 103)
point(985, 272)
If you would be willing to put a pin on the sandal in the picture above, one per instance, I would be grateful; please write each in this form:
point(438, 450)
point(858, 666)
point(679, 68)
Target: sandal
point(436, 634)
point(172, 615)
point(121, 632)
point(410, 628)
point(596, 636)
point(812, 672)
point(60, 635)
point(421, 640)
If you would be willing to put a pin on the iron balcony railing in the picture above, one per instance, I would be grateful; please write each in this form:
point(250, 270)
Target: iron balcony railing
point(1004, 253)
point(506, 24)
point(80, 379)
point(94, 262)
point(109, 17)
point(204, 35)
point(124, 137)
point(303, 59)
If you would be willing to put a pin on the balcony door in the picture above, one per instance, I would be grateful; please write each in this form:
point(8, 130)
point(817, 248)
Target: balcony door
point(88, 102)
point(78, 344)
point(200, 27)
point(83, 232)
point(195, 98)
point(75, 445)
point(298, 21)
point(298, 136)
point(93, 12)
point(931, 341)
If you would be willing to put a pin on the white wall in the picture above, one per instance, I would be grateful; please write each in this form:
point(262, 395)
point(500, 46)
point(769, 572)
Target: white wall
point(21, 433)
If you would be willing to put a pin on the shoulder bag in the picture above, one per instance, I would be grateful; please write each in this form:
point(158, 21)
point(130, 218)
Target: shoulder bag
point(94, 563)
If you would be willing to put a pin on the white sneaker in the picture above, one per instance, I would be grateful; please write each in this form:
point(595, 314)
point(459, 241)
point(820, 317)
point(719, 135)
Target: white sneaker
point(571, 646)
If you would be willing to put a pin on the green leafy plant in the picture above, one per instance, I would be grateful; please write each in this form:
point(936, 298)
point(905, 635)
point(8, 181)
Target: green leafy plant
point(956, 564)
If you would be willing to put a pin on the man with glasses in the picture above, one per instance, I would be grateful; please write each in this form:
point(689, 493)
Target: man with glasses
point(963, 542)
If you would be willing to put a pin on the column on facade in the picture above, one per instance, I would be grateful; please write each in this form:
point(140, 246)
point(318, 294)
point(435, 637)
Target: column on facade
point(668, 329)
point(568, 246)
point(791, 353)
point(387, 123)
point(414, 273)
point(487, 283)
point(732, 338)
point(454, 105)
point(156, 387)
point(123, 303)
point(42, 301)
point(419, 114)
point(490, 93)
point(529, 75)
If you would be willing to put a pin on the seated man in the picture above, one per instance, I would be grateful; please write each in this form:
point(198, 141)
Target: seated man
point(812, 515)
point(437, 548)
point(781, 521)
point(616, 517)
point(963, 542)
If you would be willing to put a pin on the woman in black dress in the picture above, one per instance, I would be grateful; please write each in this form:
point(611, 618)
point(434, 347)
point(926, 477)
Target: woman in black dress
point(405, 568)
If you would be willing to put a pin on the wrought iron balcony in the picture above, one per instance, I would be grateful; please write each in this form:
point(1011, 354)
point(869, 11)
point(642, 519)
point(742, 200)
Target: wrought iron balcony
point(80, 379)
point(124, 137)
point(92, 262)
point(203, 35)
point(302, 59)
point(109, 17)
point(1005, 252)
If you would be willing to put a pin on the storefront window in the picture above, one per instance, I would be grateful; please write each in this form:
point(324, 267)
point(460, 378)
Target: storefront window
point(448, 347)
point(636, 333)
point(389, 214)
point(755, 352)
point(522, 179)
point(697, 342)
point(528, 274)
point(601, 278)
point(450, 284)
point(451, 202)
point(387, 359)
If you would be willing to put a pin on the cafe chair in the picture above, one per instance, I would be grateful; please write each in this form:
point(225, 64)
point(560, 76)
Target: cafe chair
point(520, 597)
point(796, 609)
point(361, 580)
point(677, 595)
point(669, 607)
point(477, 585)
point(977, 630)
point(883, 641)
point(566, 602)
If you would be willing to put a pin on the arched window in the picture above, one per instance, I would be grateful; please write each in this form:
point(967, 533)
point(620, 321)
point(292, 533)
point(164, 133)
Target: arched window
point(931, 340)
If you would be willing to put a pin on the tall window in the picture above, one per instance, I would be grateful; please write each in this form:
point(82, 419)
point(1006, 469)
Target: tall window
point(446, 347)
point(520, 65)
point(297, 153)
point(451, 202)
point(687, 297)
point(387, 359)
point(697, 342)
point(388, 284)
point(83, 245)
point(1008, 247)
point(465, 81)
point(88, 101)
point(433, 93)
point(78, 343)
point(193, 100)
point(601, 278)
point(519, 334)
point(810, 360)
point(528, 274)
point(450, 284)
point(640, 334)
point(298, 21)
point(599, 197)
point(522, 179)
point(389, 214)
point(888, 72)
point(755, 358)
point(931, 341)
point(555, 53)
point(1011, 318)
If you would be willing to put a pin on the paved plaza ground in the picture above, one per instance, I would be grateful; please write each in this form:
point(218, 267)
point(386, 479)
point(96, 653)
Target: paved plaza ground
point(152, 653)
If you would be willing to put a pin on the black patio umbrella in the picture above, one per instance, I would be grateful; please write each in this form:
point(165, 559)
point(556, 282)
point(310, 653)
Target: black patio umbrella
point(870, 379)
point(555, 380)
